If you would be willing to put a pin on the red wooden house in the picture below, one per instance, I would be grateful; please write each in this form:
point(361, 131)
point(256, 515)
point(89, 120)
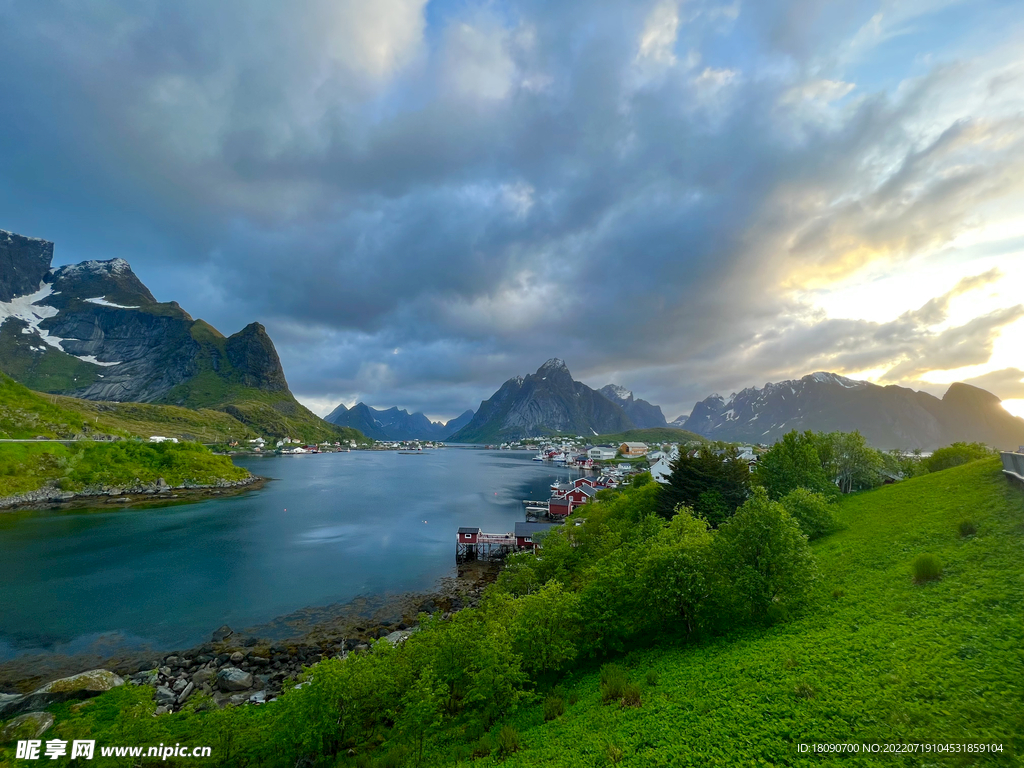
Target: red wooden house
point(468, 535)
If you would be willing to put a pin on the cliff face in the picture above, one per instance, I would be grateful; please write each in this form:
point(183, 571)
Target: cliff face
point(888, 417)
point(643, 414)
point(24, 262)
point(543, 403)
point(93, 330)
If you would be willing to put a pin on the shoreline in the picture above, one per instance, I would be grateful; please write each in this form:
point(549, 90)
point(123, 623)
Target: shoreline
point(287, 643)
point(119, 498)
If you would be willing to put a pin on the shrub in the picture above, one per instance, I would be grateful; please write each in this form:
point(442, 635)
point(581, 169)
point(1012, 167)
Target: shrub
point(968, 528)
point(956, 454)
point(652, 677)
point(812, 512)
point(613, 682)
point(804, 691)
point(508, 740)
point(554, 706)
point(766, 554)
point(484, 747)
point(631, 696)
point(927, 568)
point(614, 753)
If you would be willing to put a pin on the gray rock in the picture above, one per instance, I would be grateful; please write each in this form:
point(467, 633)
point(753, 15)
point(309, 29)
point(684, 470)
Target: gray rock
point(164, 696)
point(223, 633)
point(148, 677)
point(165, 671)
point(183, 696)
point(398, 637)
point(161, 710)
point(237, 657)
point(232, 679)
point(31, 725)
point(81, 686)
point(179, 685)
point(204, 676)
point(259, 661)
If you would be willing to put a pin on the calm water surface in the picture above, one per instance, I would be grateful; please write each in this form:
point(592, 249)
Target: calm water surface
point(327, 529)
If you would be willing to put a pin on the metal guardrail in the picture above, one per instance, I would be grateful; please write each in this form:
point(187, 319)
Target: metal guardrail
point(1013, 464)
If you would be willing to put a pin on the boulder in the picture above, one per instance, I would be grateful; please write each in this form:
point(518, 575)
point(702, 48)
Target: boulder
point(222, 633)
point(183, 696)
point(164, 696)
point(237, 657)
point(233, 679)
point(81, 686)
point(398, 637)
point(31, 725)
point(204, 676)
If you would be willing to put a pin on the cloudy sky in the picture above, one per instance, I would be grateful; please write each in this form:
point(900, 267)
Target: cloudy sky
point(422, 199)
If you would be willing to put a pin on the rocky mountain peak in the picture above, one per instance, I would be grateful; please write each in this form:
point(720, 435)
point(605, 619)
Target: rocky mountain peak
point(615, 392)
point(554, 365)
point(24, 264)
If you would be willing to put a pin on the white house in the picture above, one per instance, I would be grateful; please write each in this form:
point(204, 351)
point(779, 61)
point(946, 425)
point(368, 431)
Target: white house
point(162, 439)
point(601, 453)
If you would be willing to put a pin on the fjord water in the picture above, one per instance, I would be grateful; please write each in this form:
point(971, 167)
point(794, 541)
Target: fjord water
point(327, 529)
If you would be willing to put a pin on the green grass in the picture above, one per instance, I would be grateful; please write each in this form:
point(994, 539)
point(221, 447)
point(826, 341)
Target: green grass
point(885, 661)
point(76, 466)
point(28, 414)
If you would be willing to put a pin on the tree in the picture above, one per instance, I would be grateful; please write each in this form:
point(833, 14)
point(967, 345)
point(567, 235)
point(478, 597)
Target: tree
point(812, 512)
point(849, 461)
point(712, 482)
point(956, 454)
point(764, 551)
point(421, 708)
point(677, 574)
point(793, 462)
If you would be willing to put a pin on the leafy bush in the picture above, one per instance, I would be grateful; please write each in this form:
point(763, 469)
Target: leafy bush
point(967, 528)
point(614, 753)
point(804, 691)
point(554, 706)
point(927, 568)
point(812, 512)
point(766, 556)
point(631, 695)
point(614, 681)
point(956, 454)
point(652, 677)
point(508, 740)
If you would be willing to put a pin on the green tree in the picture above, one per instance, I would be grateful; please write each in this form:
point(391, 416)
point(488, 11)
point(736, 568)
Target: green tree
point(421, 708)
point(849, 461)
point(956, 454)
point(677, 574)
point(812, 512)
point(712, 482)
point(793, 462)
point(764, 552)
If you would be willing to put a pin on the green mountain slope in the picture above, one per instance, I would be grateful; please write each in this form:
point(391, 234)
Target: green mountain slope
point(876, 659)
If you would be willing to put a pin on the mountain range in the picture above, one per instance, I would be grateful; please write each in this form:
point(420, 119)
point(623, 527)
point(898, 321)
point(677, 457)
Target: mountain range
point(544, 403)
point(641, 413)
point(887, 416)
point(94, 331)
point(395, 423)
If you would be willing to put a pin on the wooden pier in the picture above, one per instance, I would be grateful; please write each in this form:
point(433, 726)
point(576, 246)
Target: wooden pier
point(474, 544)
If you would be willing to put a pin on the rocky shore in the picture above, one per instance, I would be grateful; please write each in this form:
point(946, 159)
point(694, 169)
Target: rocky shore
point(236, 668)
point(99, 496)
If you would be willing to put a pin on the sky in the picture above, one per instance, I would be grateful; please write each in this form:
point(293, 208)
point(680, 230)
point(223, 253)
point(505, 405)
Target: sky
point(420, 200)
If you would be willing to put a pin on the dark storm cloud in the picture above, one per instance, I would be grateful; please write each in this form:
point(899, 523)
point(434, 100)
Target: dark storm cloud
point(421, 202)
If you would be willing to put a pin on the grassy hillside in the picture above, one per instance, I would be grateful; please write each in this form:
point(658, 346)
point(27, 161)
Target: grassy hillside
point(876, 659)
point(28, 414)
point(651, 436)
point(84, 464)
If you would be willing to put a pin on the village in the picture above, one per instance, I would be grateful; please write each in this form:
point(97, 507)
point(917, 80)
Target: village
point(612, 465)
